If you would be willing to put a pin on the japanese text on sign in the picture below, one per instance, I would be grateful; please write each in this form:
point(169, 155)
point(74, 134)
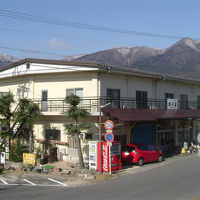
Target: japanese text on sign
point(29, 158)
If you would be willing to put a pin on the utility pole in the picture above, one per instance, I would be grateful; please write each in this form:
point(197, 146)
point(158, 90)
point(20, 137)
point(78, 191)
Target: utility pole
point(100, 146)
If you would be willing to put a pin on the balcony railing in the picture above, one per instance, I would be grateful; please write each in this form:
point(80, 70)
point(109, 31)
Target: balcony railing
point(92, 104)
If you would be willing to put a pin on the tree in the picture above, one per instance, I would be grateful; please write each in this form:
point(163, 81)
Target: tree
point(6, 115)
point(27, 114)
point(13, 121)
point(75, 128)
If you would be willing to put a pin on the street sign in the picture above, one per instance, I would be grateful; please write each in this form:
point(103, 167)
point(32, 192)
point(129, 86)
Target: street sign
point(109, 144)
point(109, 125)
point(109, 137)
point(109, 131)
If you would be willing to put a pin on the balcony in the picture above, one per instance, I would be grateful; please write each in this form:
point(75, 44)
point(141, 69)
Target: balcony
point(92, 104)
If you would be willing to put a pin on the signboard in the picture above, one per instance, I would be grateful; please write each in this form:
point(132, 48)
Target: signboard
point(93, 155)
point(3, 157)
point(109, 144)
point(29, 158)
point(172, 104)
point(109, 137)
point(109, 125)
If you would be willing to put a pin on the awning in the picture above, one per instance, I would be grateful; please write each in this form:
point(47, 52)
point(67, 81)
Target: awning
point(142, 115)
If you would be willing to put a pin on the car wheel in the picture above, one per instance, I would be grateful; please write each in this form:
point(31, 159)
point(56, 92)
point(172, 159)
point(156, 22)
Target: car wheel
point(160, 158)
point(140, 162)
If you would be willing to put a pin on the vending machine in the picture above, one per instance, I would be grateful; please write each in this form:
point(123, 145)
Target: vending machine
point(111, 156)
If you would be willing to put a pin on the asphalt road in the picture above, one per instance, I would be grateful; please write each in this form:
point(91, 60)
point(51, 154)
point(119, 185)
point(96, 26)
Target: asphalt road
point(173, 180)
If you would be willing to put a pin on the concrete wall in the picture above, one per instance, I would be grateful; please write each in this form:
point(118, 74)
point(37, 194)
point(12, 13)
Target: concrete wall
point(156, 88)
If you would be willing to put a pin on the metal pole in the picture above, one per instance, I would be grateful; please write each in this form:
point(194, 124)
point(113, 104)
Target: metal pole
point(110, 170)
point(100, 147)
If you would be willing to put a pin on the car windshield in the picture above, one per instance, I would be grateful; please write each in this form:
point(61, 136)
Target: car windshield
point(128, 149)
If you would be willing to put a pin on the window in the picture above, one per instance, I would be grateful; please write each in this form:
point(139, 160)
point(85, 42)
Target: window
point(3, 93)
point(143, 147)
point(128, 149)
point(44, 101)
point(184, 101)
point(168, 96)
point(72, 142)
point(76, 91)
point(198, 102)
point(52, 134)
point(28, 66)
point(113, 96)
point(151, 148)
point(141, 99)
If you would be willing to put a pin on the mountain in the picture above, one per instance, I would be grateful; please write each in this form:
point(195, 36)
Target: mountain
point(121, 56)
point(6, 60)
point(182, 58)
point(71, 58)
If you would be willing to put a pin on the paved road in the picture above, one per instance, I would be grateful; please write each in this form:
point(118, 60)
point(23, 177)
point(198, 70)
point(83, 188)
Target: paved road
point(174, 180)
point(31, 180)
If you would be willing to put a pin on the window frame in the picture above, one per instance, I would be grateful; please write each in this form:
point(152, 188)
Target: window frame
point(74, 91)
point(53, 131)
point(115, 102)
point(184, 101)
point(141, 102)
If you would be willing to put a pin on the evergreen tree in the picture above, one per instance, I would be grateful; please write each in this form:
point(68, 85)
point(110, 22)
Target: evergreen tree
point(75, 128)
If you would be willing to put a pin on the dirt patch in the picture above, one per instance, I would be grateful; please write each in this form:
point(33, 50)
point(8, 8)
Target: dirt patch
point(101, 177)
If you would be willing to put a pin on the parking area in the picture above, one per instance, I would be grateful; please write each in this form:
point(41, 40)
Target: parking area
point(31, 180)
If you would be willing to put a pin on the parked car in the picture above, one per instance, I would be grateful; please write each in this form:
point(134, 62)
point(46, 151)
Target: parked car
point(141, 153)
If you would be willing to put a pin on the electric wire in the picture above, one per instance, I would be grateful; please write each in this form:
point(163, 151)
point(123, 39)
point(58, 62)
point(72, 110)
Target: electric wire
point(48, 20)
point(64, 36)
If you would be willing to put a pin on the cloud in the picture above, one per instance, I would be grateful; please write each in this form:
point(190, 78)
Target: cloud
point(54, 44)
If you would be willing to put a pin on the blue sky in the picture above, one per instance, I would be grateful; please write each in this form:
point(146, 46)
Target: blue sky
point(165, 17)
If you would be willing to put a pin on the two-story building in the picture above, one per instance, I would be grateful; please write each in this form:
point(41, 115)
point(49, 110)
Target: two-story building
point(145, 107)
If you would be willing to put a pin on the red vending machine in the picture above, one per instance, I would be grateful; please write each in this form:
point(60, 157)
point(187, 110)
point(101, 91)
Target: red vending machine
point(114, 155)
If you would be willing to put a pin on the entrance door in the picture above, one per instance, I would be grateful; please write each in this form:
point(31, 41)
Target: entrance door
point(142, 135)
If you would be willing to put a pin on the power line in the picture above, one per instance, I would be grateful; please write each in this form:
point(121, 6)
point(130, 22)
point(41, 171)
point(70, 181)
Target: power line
point(47, 20)
point(32, 51)
point(59, 35)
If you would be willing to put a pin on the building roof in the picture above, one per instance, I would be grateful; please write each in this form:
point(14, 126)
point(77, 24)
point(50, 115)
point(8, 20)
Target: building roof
point(107, 68)
point(143, 115)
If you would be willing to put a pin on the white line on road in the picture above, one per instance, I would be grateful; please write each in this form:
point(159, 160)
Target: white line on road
point(4, 182)
point(29, 182)
point(11, 184)
point(57, 182)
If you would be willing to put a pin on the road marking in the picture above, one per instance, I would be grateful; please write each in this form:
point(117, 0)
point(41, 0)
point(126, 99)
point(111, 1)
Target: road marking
point(4, 182)
point(29, 185)
point(57, 182)
point(29, 182)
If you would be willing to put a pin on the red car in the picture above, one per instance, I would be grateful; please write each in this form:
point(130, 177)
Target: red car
point(141, 153)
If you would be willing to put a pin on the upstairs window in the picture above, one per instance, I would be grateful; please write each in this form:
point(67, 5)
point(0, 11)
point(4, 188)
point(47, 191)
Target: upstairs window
point(184, 101)
point(141, 99)
point(52, 134)
point(168, 96)
point(113, 96)
point(76, 91)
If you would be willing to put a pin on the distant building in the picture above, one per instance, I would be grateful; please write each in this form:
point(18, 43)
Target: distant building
point(145, 107)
